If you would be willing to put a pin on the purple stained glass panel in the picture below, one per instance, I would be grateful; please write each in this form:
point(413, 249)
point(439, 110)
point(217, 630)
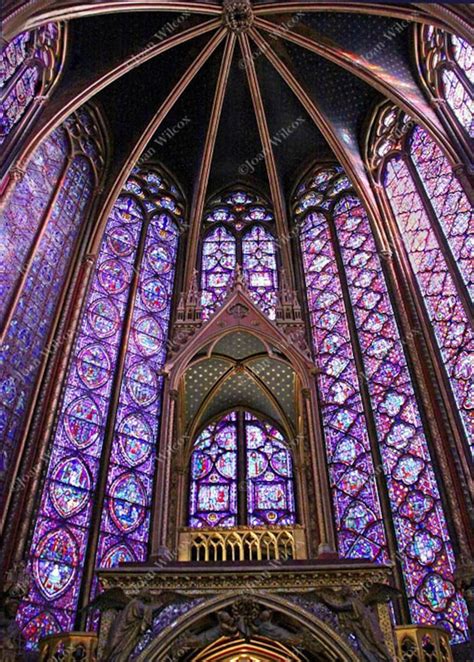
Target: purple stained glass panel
point(25, 209)
point(451, 326)
point(15, 103)
point(213, 490)
point(260, 268)
point(13, 55)
point(126, 511)
point(464, 55)
point(218, 267)
point(27, 68)
point(456, 83)
point(270, 487)
point(459, 99)
point(27, 333)
point(57, 563)
point(423, 540)
point(448, 199)
point(234, 237)
point(356, 503)
point(218, 453)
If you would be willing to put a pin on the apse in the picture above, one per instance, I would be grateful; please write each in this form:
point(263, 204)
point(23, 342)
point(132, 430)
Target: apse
point(236, 362)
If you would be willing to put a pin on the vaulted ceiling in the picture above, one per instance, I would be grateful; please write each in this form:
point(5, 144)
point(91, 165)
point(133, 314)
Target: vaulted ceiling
point(216, 105)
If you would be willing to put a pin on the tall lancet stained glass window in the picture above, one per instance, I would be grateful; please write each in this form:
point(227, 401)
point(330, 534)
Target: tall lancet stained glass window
point(241, 451)
point(447, 67)
point(435, 224)
point(29, 65)
point(239, 230)
point(355, 330)
point(120, 347)
point(43, 220)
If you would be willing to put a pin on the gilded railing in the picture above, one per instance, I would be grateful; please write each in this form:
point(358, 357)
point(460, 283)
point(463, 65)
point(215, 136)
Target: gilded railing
point(417, 643)
point(69, 647)
point(242, 544)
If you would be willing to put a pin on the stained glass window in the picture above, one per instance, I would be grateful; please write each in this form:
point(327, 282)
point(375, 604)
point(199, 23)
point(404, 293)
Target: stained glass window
point(439, 286)
point(344, 237)
point(213, 493)
point(447, 64)
point(133, 280)
point(270, 488)
point(29, 65)
point(351, 467)
point(239, 231)
point(218, 267)
point(42, 223)
point(245, 452)
point(449, 202)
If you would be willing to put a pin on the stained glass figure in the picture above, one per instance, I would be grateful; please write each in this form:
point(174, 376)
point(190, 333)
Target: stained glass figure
point(213, 493)
point(238, 440)
point(238, 230)
point(43, 219)
point(119, 289)
point(29, 66)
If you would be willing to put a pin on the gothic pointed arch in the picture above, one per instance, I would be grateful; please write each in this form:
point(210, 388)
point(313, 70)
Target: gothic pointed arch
point(31, 64)
point(446, 67)
point(288, 624)
point(433, 216)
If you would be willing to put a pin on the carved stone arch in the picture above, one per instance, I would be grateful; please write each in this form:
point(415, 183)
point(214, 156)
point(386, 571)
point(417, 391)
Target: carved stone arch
point(238, 313)
point(208, 621)
point(282, 339)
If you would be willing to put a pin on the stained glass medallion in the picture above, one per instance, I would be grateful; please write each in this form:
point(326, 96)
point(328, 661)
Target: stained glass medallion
point(61, 531)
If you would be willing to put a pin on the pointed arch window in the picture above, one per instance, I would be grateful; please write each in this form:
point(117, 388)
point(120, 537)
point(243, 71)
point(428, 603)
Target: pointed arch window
point(30, 64)
point(447, 67)
point(120, 347)
point(369, 405)
point(43, 221)
point(241, 473)
point(239, 232)
point(435, 224)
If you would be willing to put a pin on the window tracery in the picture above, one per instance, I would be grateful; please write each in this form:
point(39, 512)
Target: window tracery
point(238, 230)
point(29, 66)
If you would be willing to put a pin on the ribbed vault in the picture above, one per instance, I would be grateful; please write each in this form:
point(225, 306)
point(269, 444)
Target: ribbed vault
point(215, 104)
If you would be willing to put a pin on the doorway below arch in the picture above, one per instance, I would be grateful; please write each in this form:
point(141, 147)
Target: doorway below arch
point(255, 650)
